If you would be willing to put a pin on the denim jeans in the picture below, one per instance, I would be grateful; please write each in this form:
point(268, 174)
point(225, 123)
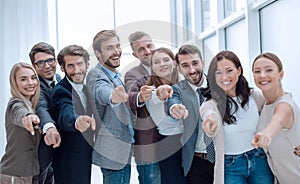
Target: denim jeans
point(250, 167)
point(116, 176)
point(149, 173)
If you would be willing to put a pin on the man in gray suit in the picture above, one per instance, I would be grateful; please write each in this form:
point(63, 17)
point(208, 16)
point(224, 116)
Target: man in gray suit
point(185, 104)
point(114, 137)
point(42, 56)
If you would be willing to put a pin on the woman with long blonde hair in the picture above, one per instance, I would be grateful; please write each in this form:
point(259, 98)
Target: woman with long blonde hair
point(19, 164)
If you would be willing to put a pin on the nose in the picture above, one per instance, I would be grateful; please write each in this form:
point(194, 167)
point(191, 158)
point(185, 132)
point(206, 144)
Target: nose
point(192, 69)
point(147, 51)
point(224, 75)
point(47, 65)
point(31, 81)
point(117, 50)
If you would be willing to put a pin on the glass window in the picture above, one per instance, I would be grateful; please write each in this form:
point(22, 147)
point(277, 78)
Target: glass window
point(210, 49)
point(206, 18)
point(232, 6)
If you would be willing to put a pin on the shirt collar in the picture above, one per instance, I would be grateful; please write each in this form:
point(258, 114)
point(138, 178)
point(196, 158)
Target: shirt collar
point(112, 74)
point(204, 84)
point(147, 68)
point(77, 87)
point(50, 81)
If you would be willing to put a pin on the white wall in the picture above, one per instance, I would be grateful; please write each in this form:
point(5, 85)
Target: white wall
point(280, 33)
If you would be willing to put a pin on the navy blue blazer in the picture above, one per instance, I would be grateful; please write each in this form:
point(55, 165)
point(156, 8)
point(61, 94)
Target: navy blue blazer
point(72, 159)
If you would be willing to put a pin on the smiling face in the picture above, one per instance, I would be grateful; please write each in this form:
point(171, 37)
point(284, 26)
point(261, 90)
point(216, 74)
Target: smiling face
point(27, 82)
point(142, 49)
point(110, 53)
point(266, 75)
point(190, 66)
point(75, 68)
point(48, 70)
point(227, 76)
point(162, 65)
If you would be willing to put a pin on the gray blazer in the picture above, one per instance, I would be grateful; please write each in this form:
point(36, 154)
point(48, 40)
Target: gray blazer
point(20, 157)
point(112, 149)
point(184, 94)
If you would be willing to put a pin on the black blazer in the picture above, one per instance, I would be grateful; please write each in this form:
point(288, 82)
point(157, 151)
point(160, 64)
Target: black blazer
point(72, 160)
point(42, 109)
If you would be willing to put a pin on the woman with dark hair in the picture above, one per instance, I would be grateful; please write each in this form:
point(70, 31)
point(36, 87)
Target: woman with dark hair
point(19, 163)
point(230, 102)
point(163, 75)
point(279, 122)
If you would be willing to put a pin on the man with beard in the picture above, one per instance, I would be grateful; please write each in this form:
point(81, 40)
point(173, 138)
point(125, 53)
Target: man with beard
point(71, 108)
point(185, 104)
point(146, 132)
point(114, 137)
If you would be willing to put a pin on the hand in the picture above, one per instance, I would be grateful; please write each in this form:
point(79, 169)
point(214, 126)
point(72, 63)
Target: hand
point(145, 93)
point(119, 95)
point(179, 111)
point(52, 137)
point(261, 140)
point(84, 122)
point(164, 91)
point(297, 151)
point(209, 125)
point(28, 122)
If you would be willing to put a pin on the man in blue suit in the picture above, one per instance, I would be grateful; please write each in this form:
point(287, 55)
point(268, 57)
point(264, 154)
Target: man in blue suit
point(185, 104)
point(72, 109)
point(114, 138)
point(42, 56)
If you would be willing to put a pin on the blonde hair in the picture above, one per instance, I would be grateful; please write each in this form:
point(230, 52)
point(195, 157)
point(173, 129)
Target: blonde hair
point(14, 90)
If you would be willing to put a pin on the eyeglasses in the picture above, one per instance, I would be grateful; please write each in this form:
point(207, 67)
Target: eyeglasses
point(41, 63)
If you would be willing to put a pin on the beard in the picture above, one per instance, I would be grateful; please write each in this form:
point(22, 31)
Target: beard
point(109, 64)
point(197, 81)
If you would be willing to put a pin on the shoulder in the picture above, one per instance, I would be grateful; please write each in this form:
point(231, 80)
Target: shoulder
point(15, 101)
point(136, 72)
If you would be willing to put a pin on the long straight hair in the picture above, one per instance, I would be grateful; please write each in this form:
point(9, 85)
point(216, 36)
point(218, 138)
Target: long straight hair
point(14, 90)
point(156, 80)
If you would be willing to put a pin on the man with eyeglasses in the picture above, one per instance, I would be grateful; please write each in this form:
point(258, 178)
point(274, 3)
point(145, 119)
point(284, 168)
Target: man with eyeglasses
point(42, 56)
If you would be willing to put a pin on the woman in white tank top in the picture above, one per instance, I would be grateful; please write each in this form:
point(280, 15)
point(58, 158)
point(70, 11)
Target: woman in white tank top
point(279, 124)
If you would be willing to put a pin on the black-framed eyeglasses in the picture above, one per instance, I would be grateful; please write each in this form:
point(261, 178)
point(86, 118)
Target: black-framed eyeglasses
point(41, 63)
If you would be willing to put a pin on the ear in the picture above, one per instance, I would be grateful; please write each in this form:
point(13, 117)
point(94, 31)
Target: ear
point(98, 54)
point(62, 68)
point(203, 63)
point(239, 70)
point(178, 69)
point(281, 74)
point(134, 54)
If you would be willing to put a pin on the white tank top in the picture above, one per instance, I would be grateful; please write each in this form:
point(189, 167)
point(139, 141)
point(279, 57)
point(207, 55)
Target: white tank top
point(238, 136)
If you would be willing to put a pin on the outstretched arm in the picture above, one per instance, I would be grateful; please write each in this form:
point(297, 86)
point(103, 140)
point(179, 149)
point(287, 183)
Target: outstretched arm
point(283, 118)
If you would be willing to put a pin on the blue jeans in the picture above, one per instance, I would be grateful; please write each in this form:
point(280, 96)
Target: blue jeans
point(149, 173)
point(116, 176)
point(250, 167)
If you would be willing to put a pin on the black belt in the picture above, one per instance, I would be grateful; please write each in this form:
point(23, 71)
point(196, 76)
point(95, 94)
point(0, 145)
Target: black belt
point(201, 155)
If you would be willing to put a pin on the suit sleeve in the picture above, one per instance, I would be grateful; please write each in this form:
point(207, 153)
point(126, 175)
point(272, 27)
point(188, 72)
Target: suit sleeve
point(62, 109)
point(42, 109)
point(18, 110)
point(133, 86)
point(175, 99)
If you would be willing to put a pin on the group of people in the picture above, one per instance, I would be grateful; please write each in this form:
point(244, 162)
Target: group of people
point(181, 125)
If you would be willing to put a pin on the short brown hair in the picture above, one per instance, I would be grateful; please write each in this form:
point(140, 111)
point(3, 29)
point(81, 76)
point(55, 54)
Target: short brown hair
point(41, 47)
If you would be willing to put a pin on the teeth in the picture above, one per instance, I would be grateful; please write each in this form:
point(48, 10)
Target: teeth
point(264, 82)
point(114, 58)
point(225, 83)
